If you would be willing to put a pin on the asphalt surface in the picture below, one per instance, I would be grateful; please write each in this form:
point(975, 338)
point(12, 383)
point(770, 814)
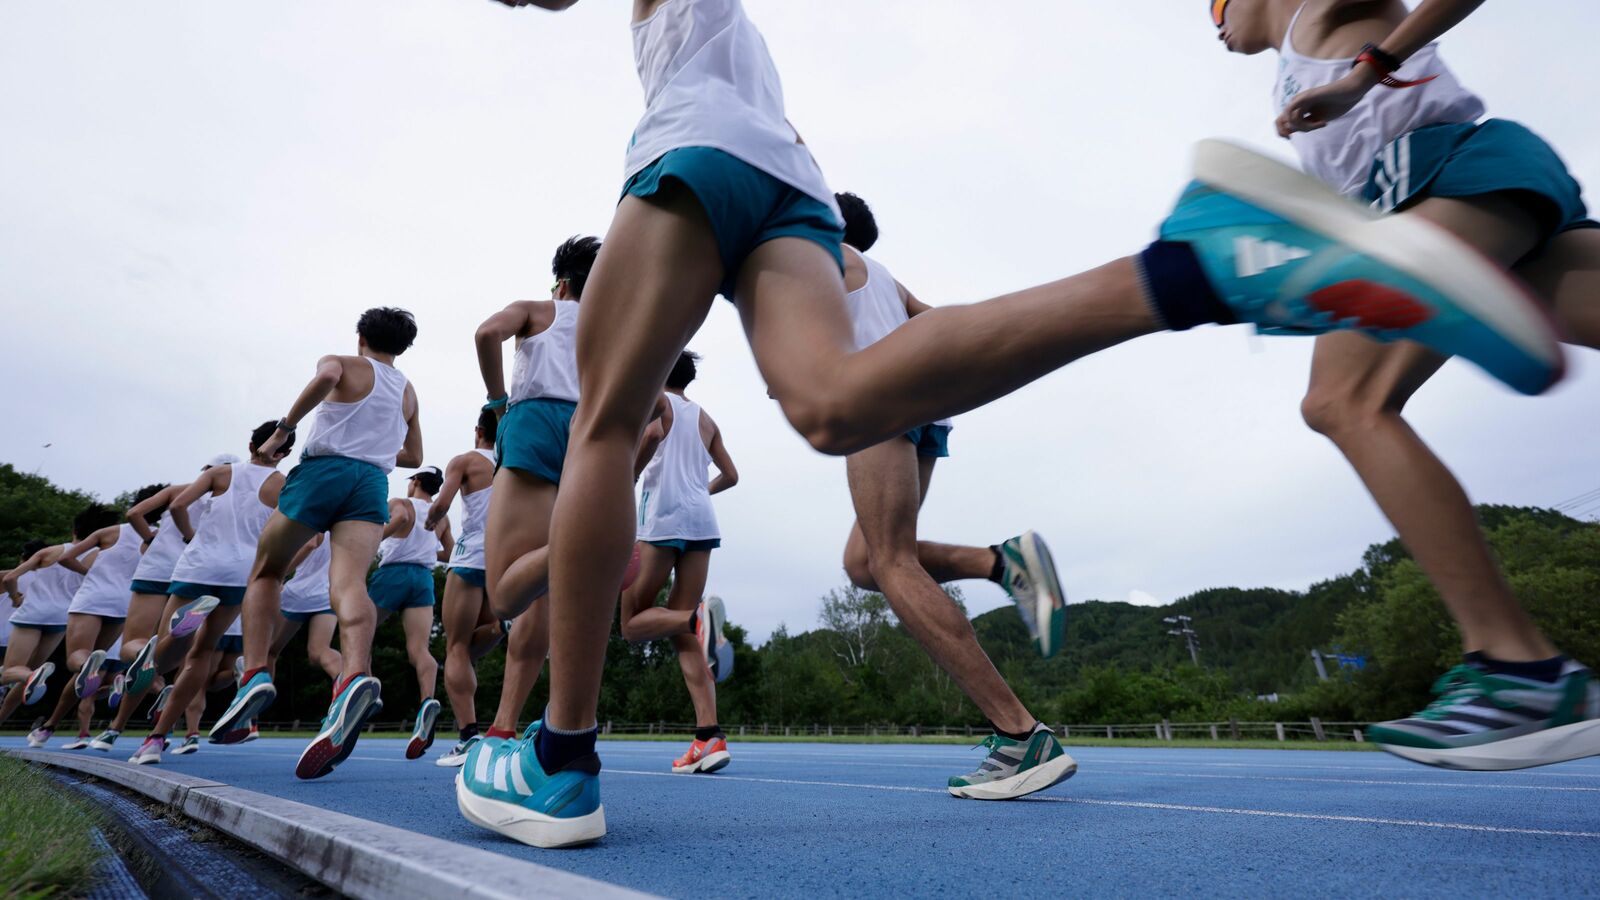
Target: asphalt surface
point(833, 820)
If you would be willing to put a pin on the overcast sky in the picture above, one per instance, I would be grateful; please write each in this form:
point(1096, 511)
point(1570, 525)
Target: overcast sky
point(197, 199)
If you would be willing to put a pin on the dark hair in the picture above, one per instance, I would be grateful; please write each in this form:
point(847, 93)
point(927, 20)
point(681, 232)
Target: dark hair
point(93, 518)
point(148, 491)
point(860, 225)
point(32, 547)
point(683, 371)
point(264, 431)
point(387, 329)
point(573, 260)
point(430, 478)
point(488, 424)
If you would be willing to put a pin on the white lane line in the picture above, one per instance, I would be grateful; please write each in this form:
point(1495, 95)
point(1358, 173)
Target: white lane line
point(1169, 807)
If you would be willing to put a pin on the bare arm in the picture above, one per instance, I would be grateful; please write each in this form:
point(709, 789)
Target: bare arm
point(447, 541)
point(516, 320)
point(45, 557)
point(329, 371)
point(654, 433)
point(410, 455)
point(179, 507)
point(454, 472)
point(914, 307)
point(401, 515)
point(270, 490)
point(100, 540)
point(727, 475)
point(138, 512)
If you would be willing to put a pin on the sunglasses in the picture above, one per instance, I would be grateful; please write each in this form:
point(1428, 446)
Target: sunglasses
point(1219, 11)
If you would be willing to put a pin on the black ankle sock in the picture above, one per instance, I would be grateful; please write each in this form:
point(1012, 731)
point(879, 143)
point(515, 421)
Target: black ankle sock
point(1538, 670)
point(1016, 736)
point(1178, 288)
point(469, 732)
point(707, 733)
point(557, 748)
point(694, 619)
point(997, 574)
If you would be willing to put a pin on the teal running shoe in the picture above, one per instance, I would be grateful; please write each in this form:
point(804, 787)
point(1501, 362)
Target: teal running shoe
point(248, 704)
point(347, 715)
point(1016, 768)
point(1290, 256)
point(1029, 576)
point(502, 787)
point(87, 682)
point(1492, 722)
point(422, 733)
point(142, 670)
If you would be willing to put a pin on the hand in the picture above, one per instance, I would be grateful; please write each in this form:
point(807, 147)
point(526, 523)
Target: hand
point(1315, 108)
point(270, 446)
point(434, 515)
point(16, 599)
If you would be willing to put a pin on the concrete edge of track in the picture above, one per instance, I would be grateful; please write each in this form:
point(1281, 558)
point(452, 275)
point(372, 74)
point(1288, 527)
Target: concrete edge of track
point(350, 855)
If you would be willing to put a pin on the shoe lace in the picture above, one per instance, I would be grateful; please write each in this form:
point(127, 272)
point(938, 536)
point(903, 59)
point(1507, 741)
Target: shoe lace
point(1460, 684)
point(990, 743)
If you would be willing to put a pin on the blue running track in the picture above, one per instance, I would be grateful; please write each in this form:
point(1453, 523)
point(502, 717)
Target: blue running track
point(837, 820)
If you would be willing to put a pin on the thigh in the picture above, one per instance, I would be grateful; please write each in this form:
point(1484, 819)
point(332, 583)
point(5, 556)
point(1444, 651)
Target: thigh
point(655, 565)
point(110, 630)
point(1350, 365)
point(83, 631)
point(792, 305)
point(689, 579)
point(283, 633)
point(281, 538)
point(355, 544)
point(319, 631)
point(653, 283)
point(925, 465)
point(418, 624)
point(518, 520)
point(1567, 274)
point(460, 611)
point(144, 610)
point(24, 640)
point(886, 488)
point(46, 648)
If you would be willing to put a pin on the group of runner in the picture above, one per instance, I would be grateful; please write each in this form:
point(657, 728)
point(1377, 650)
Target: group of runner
point(1473, 237)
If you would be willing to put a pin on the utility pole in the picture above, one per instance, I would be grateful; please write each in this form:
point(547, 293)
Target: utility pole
point(1190, 638)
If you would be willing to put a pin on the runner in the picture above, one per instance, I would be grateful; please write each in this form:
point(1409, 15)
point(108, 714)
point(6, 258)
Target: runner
point(677, 532)
point(305, 604)
point(1415, 147)
point(470, 626)
point(367, 422)
point(403, 583)
point(722, 196)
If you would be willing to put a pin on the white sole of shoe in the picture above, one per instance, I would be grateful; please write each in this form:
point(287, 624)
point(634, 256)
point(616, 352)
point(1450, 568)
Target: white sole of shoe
point(526, 826)
point(1410, 244)
point(1541, 748)
point(145, 759)
point(451, 762)
point(1050, 603)
point(92, 665)
point(1036, 779)
point(37, 684)
point(103, 748)
point(254, 702)
point(185, 751)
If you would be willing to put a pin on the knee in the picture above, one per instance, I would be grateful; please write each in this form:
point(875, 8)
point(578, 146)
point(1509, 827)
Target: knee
point(1338, 411)
point(823, 421)
point(858, 567)
point(631, 632)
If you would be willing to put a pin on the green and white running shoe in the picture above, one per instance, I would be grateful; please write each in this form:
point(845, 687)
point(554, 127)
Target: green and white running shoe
point(80, 742)
point(458, 753)
point(1485, 721)
point(157, 707)
point(191, 744)
point(1030, 578)
point(106, 739)
point(1016, 768)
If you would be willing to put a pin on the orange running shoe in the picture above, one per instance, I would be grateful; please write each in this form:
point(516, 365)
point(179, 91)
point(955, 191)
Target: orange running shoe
point(703, 756)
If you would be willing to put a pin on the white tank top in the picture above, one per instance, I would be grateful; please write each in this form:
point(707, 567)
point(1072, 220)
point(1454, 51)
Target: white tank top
point(1341, 153)
point(104, 591)
point(5, 614)
point(419, 545)
point(307, 591)
point(468, 553)
point(372, 429)
point(876, 308)
point(162, 555)
point(224, 545)
point(710, 82)
point(546, 364)
point(46, 595)
point(674, 495)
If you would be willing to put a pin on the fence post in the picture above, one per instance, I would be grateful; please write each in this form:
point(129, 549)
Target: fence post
point(295, 725)
point(1316, 728)
point(1166, 726)
point(608, 726)
point(1066, 731)
point(1213, 731)
point(1109, 735)
point(1360, 738)
point(1233, 726)
point(1279, 727)
point(741, 731)
point(763, 729)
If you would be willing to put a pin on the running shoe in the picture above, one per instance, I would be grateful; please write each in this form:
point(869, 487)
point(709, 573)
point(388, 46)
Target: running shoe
point(88, 677)
point(81, 742)
point(238, 671)
point(1016, 768)
point(1490, 722)
point(502, 787)
point(40, 736)
point(705, 633)
point(142, 670)
point(105, 740)
point(37, 684)
point(347, 715)
point(119, 689)
point(248, 704)
point(191, 744)
point(160, 705)
point(1029, 576)
point(422, 733)
point(721, 659)
point(458, 754)
point(188, 618)
point(703, 756)
point(149, 752)
point(253, 735)
point(1288, 255)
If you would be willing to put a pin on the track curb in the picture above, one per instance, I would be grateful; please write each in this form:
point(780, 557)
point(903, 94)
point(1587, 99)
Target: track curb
point(351, 855)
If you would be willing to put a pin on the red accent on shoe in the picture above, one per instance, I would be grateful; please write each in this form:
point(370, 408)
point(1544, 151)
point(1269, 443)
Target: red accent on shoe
point(500, 733)
point(1371, 305)
point(251, 673)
